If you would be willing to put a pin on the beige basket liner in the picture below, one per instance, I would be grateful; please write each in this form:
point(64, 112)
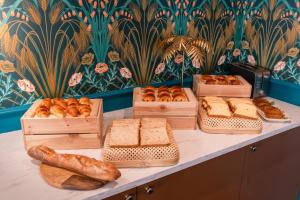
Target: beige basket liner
point(233, 125)
point(142, 156)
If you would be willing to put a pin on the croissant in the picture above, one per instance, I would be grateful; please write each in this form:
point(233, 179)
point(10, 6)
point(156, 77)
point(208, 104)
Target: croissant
point(42, 111)
point(150, 87)
point(58, 111)
point(179, 97)
point(149, 97)
point(73, 111)
point(60, 102)
point(84, 110)
point(72, 102)
point(165, 98)
point(46, 102)
point(84, 100)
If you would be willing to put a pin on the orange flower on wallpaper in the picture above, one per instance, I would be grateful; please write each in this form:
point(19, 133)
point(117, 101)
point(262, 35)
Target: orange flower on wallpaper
point(6, 66)
point(160, 68)
point(236, 52)
point(113, 56)
point(298, 63)
point(87, 59)
point(251, 59)
point(125, 72)
point(25, 85)
point(230, 45)
point(293, 52)
point(279, 66)
point(75, 79)
point(101, 68)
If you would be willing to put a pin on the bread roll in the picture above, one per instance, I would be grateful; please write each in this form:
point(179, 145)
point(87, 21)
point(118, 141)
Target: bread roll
point(58, 111)
point(84, 100)
point(84, 165)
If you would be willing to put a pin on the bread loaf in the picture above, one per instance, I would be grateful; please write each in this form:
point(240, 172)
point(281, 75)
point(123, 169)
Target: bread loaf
point(84, 165)
point(154, 137)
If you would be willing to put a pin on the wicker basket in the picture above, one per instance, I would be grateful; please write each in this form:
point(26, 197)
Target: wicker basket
point(233, 125)
point(142, 156)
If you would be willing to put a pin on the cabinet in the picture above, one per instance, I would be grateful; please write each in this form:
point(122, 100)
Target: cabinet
point(268, 169)
point(272, 168)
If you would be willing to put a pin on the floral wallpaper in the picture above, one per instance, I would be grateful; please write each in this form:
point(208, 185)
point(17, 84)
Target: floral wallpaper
point(267, 33)
point(61, 48)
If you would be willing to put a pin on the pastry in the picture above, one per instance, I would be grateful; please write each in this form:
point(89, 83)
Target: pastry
point(165, 98)
point(231, 78)
point(207, 77)
point(83, 165)
point(46, 102)
point(149, 97)
point(73, 111)
point(58, 111)
point(149, 91)
point(84, 100)
point(234, 82)
point(179, 98)
point(85, 110)
point(222, 82)
point(42, 111)
point(220, 77)
point(72, 102)
point(164, 92)
point(216, 107)
point(211, 82)
point(154, 137)
point(60, 102)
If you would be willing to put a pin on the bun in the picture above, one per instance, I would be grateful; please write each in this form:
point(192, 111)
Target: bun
point(222, 82)
point(165, 98)
point(46, 102)
point(72, 102)
point(211, 82)
point(84, 110)
point(83, 165)
point(179, 97)
point(149, 97)
point(84, 100)
point(60, 102)
point(58, 111)
point(73, 111)
point(234, 82)
point(42, 111)
point(207, 77)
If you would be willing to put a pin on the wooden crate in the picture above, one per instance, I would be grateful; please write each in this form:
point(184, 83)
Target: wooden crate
point(201, 89)
point(64, 133)
point(181, 115)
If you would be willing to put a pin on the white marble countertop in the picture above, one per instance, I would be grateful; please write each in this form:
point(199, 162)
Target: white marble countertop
point(20, 178)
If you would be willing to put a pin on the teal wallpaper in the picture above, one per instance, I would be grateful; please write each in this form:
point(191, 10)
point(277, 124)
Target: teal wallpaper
point(52, 48)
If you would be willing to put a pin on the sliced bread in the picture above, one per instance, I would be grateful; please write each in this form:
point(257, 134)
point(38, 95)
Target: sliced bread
point(154, 137)
point(124, 136)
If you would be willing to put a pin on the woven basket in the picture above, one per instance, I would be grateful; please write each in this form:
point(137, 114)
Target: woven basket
point(142, 156)
point(233, 125)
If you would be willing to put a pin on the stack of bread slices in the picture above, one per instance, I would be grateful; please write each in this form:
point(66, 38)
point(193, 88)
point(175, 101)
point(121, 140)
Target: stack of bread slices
point(232, 107)
point(139, 132)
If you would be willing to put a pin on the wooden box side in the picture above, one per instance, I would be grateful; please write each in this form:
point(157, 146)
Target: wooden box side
point(54, 125)
point(64, 141)
point(202, 89)
point(188, 108)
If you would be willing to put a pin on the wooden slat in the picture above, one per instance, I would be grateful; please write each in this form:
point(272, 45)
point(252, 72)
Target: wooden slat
point(64, 141)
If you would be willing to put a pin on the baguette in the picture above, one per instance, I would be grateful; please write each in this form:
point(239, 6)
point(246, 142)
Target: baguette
point(84, 165)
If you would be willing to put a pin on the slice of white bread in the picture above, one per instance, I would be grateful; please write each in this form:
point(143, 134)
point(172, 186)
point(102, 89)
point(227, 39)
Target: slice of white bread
point(124, 136)
point(126, 122)
point(154, 137)
point(218, 109)
point(243, 108)
point(148, 123)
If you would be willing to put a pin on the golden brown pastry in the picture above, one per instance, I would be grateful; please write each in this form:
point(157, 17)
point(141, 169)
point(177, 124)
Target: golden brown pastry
point(222, 82)
point(165, 98)
point(72, 102)
point(84, 165)
point(149, 91)
point(231, 78)
point(60, 102)
point(220, 77)
point(73, 111)
point(149, 98)
point(207, 77)
point(46, 102)
point(163, 92)
point(163, 88)
point(84, 110)
point(234, 82)
point(211, 82)
point(179, 97)
point(42, 111)
point(84, 100)
point(272, 112)
point(58, 111)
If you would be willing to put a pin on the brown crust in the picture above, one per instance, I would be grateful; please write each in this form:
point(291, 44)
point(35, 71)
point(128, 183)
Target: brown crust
point(179, 98)
point(73, 111)
point(149, 98)
point(58, 111)
point(234, 82)
point(71, 101)
point(61, 103)
point(85, 110)
point(244, 117)
point(42, 111)
point(220, 77)
point(162, 93)
point(148, 91)
point(84, 165)
point(207, 77)
point(222, 82)
point(211, 82)
point(165, 98)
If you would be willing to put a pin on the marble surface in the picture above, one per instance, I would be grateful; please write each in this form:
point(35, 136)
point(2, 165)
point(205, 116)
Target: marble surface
point(20, 178)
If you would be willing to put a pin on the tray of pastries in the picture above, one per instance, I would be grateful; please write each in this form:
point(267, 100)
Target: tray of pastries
point(61, 108)
point(140, 143)
point(269, 112)
point(164, 94)
point(221, 85)
point(231, 115)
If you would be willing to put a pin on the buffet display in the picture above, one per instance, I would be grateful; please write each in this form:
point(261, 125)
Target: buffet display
point(70, 171)
point(64, 123)
point(221, 85)
point(228, 116)
point(177, 104)
point(140, 143)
